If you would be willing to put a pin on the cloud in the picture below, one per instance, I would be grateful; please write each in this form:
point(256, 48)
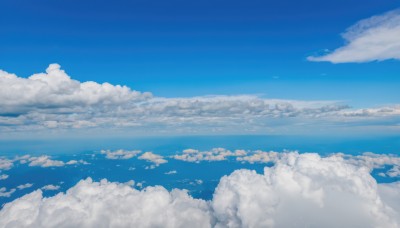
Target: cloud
point(171, 172)
point(23, 186)
point(372, 39)
point(53, 101)
point(3, 176)
point(6, 164)
point(120, 154)
point(45, 161)
point(105, 204)
point(50, 187)
point(215, 154)
point(5, 193)
point(303, 190)
point(154, 158)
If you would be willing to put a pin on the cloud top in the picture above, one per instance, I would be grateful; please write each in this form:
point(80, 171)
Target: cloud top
point(308, 189)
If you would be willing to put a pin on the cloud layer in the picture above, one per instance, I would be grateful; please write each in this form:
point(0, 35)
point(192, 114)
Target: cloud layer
point(53, 100)
point(372, 39)
point(310, 190)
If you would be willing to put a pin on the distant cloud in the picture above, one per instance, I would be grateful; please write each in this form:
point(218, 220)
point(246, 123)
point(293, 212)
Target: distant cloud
point(6, 163)
point(23, 186)
point(171, 172)
point(50, 187)
point(45, 161)
point(5, 193)
point(308, 189)
point(3, 176)
point(372, 39)
point(154, 158)
point(52, 101)
point(120, 154)
point(215, 154)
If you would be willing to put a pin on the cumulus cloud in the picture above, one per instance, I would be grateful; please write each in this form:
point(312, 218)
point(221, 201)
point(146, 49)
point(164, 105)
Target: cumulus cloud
point(105, 204)
point(372, 39)
point(5, 193)
point(53, 100)
point(215, 154)
point(3, 176)
point(154, 158)
point(23, 186)
point(6, 164)
point(310, 190)
point(45, 161)
point(120, 154)
point(50, 187)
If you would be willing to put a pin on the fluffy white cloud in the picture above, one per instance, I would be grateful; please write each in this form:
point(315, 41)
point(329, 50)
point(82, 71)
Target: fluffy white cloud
point(215, 154)
point(23, 186)
point(120, 154)
point(375, 38)
point(50, 187)
point(105, 204)
point(5, 193)
point(53, 100)
point(6, 164)
point(310, 190)
point(45, 161)
point(154, 158)
point(3, 176)
point(171, 172)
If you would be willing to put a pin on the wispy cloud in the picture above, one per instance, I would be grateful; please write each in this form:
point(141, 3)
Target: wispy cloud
point(372, 39)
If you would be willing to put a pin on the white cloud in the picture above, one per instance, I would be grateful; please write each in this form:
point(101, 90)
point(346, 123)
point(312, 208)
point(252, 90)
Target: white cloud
point(154, 158)
point(105, 204)
point(6, 164)
point(53, 100)
point(310, 190)
point(215, 154)
point(23, 186)
point(120, 154)
point(5, 193)
point(75, 162)
point(3, 176)
point(171, 172)
point(50, 187)
point(372, 39)
point(45, 161)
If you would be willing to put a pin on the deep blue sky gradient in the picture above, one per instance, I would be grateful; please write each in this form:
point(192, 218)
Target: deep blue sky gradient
point(187, 48)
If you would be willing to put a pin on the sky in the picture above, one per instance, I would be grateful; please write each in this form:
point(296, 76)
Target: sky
point(180, 49)
point(147, 113)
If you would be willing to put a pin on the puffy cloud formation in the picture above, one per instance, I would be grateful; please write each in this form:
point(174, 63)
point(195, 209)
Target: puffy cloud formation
point(50, 187)
point(310, 190)
point(53, 100)
point(45, 161)
point(154, 158)
point(56, 90)
point(23, 186)
point(6, 164)
point(3, 176)
point(5, 193)
point(120, 154)
point(105, 204)
point(372, 39)
point(215, 154)
point(171, 172)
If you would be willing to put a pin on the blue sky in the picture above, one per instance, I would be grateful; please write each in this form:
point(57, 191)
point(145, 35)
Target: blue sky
point(180, 48)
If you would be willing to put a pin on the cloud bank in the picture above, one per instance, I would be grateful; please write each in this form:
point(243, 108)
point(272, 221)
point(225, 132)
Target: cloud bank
point(53, 101)
point(372, 39)
point(310, 190)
